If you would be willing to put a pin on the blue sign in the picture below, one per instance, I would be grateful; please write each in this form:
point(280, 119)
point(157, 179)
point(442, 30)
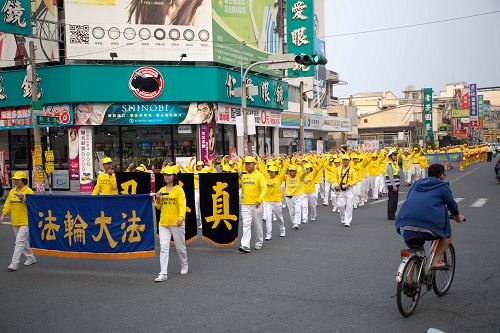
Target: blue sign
point(146, 114)
point(444, 158)
point(108, 227)
point(473, 99)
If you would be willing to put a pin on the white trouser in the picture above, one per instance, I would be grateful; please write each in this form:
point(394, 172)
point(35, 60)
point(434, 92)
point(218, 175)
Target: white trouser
point(422, 173)
point(415, 171)
point(252, 216)
point(305, 208)
point(321, 192)
point(312, 199)
point(364, 190)
point(294, 205)
point(381, 184)
point(283, 187)
point(373, 185)
point(356, 191)
point(318, 192)
point(346, 210)
point(334, 196)
point(407, 175)
point(22, 245)
point(178, 233)
point(197, 205)
point(277, 209)
point(328, 189)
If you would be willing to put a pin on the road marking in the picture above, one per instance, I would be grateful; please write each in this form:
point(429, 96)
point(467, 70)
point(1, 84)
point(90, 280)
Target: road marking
point(377, 201)
point(459, 200)
point(479, 202)
point(464, 175)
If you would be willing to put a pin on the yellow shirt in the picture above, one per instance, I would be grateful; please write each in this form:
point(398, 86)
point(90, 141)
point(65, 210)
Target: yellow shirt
point(308, 183)
point(253, 188)
point(330, 172)
point(172, 206)
point(406, 162)
point(293, 186)
point(17, 207)
point(106, 184)
point(374, 168)
point(274, 193)
point(347, 176)
point(423, 162)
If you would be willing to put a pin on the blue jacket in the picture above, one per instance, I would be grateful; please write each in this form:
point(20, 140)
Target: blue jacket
point(427, 206)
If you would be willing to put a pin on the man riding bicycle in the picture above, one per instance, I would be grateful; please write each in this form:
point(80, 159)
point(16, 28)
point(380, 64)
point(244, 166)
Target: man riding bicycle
point(424, 214)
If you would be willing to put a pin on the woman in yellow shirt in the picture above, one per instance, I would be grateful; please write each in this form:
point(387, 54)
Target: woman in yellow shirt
point(171, 201)
point(16, 206)
point(309, 187)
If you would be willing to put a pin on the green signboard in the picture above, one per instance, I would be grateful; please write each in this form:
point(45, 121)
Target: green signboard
point(428, 112)
point(15, 17)
point(480, 106)
point(47, 121)
point(246, 31)
point(300, 33)
point(132, 84)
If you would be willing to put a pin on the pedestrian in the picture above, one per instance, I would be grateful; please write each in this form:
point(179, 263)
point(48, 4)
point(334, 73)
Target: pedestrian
point(171, 201)
point(489, 152)
point(294, 195)
point(392, 181)
point(16, 206)
point(272, 200)
point(374, 171)
point(345, 200)
point(406, 159)
point(330, 174)
point(334, 193)
point(253, 192)
point(311, 172)
point(106, 182)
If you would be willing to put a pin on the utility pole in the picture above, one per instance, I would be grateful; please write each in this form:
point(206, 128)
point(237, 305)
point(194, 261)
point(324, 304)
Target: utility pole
point(301, 116)
point(34, 101)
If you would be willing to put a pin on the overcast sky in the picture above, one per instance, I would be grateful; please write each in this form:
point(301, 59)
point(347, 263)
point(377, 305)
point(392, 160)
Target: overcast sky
point(426, 56)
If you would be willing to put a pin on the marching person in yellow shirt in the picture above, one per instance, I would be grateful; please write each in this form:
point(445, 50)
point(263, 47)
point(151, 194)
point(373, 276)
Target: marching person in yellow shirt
point(16, 206)
point(423, 164)
point(334, 192)
point(374, 170)
point(200, 168)
point(171, 201)
point(295, 196)
point(330, 174)
point(106, 182)
point(273, 200)
point(407, 161)
point(253, 192)
point(309, 186)
point(347, 178)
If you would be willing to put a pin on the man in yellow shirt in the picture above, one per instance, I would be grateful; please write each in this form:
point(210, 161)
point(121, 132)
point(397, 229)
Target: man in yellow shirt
point(311, 171)
point(407, 161)
point(253, 192)
point(273, 200)
point(16, 206)
point(106, 182)
point(347, 179)
point(295, 198)
point(374, 171)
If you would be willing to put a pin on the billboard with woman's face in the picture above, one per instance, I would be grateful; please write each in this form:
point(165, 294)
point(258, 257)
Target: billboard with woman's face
point(138, 29)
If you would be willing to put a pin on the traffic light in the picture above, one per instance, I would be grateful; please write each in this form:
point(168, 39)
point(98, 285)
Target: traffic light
point(308, 60)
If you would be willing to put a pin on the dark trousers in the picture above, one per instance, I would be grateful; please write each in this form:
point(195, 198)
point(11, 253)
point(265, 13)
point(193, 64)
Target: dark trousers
point(490, 155)
point(392, 204)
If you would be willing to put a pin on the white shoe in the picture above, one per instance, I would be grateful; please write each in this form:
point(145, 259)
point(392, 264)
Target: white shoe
point(258, 247)
point(334, 209)
point(184, 270)
point(296, 226)
point(275, 219)
point(268, 238)
point(161, 278)
point(313, 220)
point(283, 205)
point(29, 261)
point(282, 233)
point(12, 268)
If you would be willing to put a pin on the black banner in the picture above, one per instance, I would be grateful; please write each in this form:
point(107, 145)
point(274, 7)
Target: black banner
point(219, 208)
point(186, 180)
point(133, 182)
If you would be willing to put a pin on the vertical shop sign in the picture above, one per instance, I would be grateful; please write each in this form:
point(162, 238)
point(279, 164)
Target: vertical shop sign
point(74, 159)
point(428, 112)
point(3, 169)
point(16, 17)
point(472, 104)
point(480, 106)
point(85, 159)
point(300, 33)
point(207, 141)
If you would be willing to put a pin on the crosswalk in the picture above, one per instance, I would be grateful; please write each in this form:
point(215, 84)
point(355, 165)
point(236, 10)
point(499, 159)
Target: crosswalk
point(462, 202)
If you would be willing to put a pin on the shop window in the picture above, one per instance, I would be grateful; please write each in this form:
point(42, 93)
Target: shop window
point(225, 139)
point(365, 121)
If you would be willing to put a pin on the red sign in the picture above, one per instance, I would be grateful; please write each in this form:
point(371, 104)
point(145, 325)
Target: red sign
point(474, 123)
point(146, 83)
point(465, 101)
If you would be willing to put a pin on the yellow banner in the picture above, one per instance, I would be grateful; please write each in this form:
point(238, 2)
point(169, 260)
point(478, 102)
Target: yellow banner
point(460, 113)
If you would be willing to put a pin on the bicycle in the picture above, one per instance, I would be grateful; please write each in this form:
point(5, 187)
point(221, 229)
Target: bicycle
point(415, 271)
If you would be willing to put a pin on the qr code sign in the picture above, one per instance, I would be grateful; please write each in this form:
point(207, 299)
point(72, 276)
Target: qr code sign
point(79, 34)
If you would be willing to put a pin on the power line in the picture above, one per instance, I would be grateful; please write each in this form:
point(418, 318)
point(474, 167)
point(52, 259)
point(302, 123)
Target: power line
point(413, 25)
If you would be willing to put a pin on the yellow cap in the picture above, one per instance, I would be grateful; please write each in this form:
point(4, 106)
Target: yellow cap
point(168, 170)
point(345, 157)
point(273, 168)
point(337, 160)
point(249, 159)
point(292, 168)
point(20, 175)
point(308, 166)
point(139, 169)
point(374, 154)
point(199, 163)
point(107, 160)
point(231, 162)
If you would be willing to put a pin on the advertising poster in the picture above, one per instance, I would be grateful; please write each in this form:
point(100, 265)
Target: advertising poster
point(16, 118)
point(228, 113)
point(41, 11)
point(255, 22)
point(150, 30)
point(74, 158)
point(144, 114)
point(3, 169)
point(85, 158)
point(207, 141)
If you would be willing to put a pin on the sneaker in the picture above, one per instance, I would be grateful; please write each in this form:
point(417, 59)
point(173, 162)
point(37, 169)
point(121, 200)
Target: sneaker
point(12, 268)
point(313, 220)
point(275, 219)
point(268, 238)
point(296, 227)
point(184, 270)
point(258, 247)
point(334, 209)
point(199, 227)
point(161, 278)
point(283, 205)
point(282, 233)
point(30, 261)
point(347, 225)
point(244, 249)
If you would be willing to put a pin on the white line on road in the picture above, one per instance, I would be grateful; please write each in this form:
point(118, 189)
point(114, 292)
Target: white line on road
point(479, 202)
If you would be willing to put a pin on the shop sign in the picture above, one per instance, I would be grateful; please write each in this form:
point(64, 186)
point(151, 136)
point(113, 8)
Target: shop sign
point(480, 106)
point(144, 113)
point(336, 124)
point(472, 105)
point(86, 160)
point(428, 112)
point(300, 30)
point(227, 114)
point(460, 113)
point(17, 118)
point(146, 83)
point(16, 17)
point(290, 133)
point(4, 179)
point(474, 123)
point(184, 129)
point(311, 121)
point(465, 101)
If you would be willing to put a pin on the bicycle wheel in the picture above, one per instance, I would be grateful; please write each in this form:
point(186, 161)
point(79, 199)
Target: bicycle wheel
point(443, 278)
point(408, 290)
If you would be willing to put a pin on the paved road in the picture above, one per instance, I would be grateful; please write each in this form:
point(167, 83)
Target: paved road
point(322, 278)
